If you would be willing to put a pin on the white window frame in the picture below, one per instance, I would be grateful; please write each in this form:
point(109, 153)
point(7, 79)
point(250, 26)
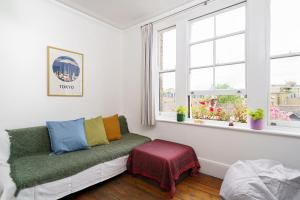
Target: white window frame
point(162, 71)
point(257, 51)
point(280, 123)
point(215, 64)
point(182, 23)
point(277, 124)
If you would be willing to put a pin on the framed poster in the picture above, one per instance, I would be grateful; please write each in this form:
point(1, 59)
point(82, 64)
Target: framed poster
point(65, 72)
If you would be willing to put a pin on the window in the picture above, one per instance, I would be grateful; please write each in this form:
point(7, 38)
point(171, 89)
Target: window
point(217, 66)
point(167, 68)
point(285, 63)
point(210, 71)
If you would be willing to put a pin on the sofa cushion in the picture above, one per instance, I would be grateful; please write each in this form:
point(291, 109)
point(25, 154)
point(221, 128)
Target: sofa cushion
point(112, 127)
point(29, 171)
point(67, 136)
point(123, 125)
point(95, 131)
point(29, 141)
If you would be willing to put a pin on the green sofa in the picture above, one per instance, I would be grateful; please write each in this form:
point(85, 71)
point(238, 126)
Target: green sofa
point(32, 164)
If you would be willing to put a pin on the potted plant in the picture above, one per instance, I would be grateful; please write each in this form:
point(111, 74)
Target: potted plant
point(181, 113)
point(256, 118)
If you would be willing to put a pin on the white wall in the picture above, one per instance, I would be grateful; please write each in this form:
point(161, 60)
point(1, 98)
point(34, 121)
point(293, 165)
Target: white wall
point(216, 148)
point(26, 29)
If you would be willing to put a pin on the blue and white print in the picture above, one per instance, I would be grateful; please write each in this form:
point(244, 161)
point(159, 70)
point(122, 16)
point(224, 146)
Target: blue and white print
point(66, 69)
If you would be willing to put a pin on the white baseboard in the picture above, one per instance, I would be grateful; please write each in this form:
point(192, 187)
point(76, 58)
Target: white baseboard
point(213, 168)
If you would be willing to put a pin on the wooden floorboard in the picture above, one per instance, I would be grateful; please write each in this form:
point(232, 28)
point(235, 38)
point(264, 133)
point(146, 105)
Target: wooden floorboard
point(127, 187)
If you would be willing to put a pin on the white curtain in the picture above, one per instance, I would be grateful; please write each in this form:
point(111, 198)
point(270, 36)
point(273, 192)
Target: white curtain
point(148, 110)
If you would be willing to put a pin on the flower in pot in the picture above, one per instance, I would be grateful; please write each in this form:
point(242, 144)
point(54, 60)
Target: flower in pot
point(256, 118)
point(181, 113)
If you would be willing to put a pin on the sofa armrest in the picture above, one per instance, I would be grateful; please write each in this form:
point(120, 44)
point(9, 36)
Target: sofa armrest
point(7, 186)
point(4, 147)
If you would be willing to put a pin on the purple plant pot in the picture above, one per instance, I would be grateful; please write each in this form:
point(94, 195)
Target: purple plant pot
point(256, 124)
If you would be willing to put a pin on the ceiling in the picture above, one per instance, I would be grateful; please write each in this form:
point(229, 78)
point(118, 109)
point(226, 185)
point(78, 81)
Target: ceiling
point(123, 14)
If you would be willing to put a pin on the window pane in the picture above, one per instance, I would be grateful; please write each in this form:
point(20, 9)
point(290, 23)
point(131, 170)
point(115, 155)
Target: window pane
point(230, 49)
point(220, 108)
point(202, 54)
point(285, 90)
point(285, 26)
point(167, 92)
point(230, 77)
point(202, 29)
point(231, 21)
point(285, 70)
point(201, 79)
point(168, 50)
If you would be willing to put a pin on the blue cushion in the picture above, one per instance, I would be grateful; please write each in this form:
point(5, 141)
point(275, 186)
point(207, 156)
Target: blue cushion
point(67, 136)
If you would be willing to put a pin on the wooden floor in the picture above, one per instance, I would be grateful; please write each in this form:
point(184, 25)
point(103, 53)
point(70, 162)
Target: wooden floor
point(127, 187)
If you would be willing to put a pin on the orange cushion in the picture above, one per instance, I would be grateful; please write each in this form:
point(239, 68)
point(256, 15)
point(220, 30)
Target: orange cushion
point(112, 127)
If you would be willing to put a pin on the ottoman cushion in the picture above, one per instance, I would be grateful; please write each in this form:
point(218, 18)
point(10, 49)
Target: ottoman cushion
point(163, 161)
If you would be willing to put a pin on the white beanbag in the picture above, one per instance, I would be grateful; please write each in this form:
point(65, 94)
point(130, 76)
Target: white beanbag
point(260, 180)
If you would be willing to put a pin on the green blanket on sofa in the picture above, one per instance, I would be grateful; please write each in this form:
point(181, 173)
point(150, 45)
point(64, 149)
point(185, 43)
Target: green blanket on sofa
point(31, 163)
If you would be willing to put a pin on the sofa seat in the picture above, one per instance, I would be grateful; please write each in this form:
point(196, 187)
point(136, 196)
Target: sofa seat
point(43, 168)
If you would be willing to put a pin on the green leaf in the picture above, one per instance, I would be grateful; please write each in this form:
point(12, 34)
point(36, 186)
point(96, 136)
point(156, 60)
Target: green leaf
point(256, 115)
point(181, 110)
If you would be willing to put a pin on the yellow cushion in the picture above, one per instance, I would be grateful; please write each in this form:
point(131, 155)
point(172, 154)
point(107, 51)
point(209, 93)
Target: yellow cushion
point(95, 132)
point(112, 127)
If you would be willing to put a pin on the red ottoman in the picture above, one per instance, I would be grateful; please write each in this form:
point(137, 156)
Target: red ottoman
point(163, 161)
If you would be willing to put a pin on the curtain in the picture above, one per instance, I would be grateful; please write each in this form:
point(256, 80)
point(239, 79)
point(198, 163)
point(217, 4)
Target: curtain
point(148, 110)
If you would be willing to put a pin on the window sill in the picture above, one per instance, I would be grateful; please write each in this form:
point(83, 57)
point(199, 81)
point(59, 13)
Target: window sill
point(288, 132)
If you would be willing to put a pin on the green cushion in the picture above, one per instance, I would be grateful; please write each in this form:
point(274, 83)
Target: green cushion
point(95, 132)
point(32, 170)
point(123, 125)
point(29, 141)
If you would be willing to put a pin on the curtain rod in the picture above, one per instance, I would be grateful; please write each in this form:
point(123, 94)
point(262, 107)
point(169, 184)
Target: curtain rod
point(204, 3)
